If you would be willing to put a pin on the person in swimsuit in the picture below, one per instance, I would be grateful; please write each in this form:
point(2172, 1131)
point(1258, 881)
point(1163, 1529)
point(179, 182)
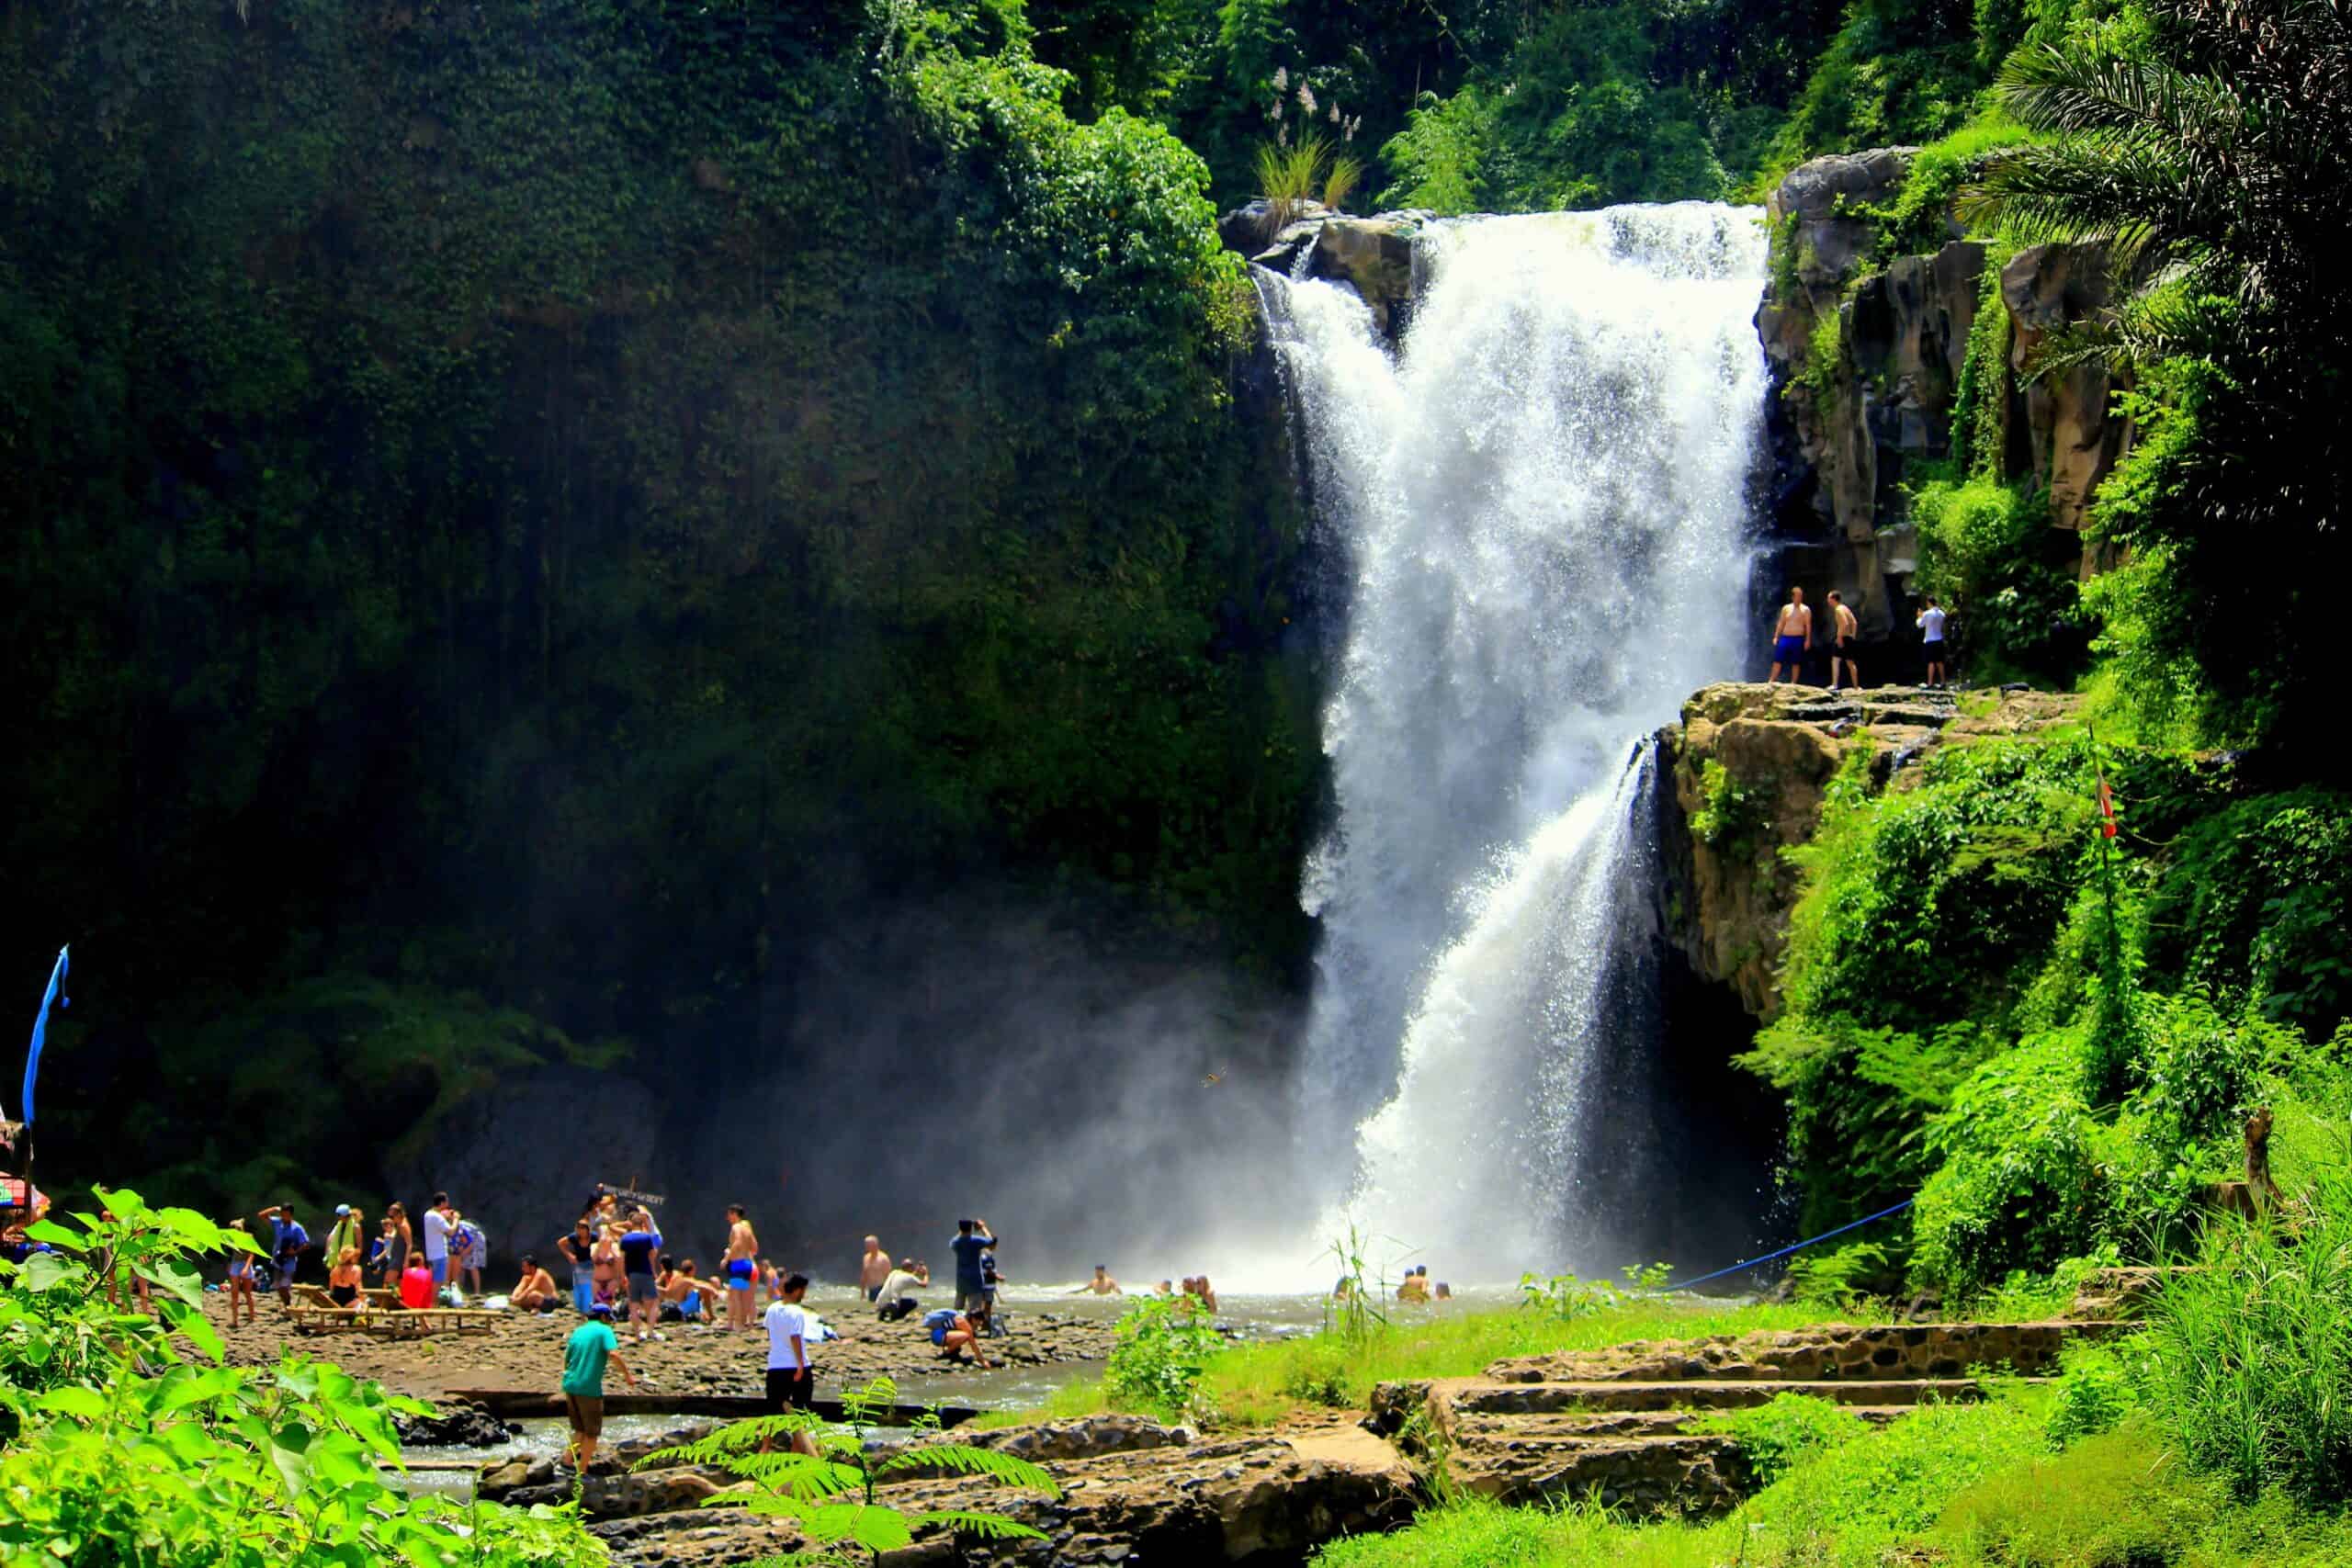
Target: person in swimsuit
point(605, 1260)
point(742, 1267)
point(1101, 1285)
point(873, 1269)
point(1791, 638)
point(343, 1283)
point(241, 1279)
point(1845, 630)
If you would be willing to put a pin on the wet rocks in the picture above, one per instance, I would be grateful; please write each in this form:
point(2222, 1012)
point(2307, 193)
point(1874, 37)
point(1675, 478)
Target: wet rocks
point(459, 1425)
point(1374, 256)
point(1267, 1499)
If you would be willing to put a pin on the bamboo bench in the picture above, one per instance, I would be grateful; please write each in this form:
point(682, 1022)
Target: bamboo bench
point(315, 1312)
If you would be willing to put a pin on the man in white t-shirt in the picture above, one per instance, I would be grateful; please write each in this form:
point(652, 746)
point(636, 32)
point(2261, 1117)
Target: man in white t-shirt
point(896, 1297)
point(1931, 627)
point(792, 1379)
point(436, 1240)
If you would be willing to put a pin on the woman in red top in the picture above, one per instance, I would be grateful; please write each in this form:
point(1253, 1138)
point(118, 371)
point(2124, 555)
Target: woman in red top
point(416, 1284)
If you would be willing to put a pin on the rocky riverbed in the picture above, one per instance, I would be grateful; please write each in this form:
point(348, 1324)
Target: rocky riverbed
point(525, 1350)
point(1127, 1490)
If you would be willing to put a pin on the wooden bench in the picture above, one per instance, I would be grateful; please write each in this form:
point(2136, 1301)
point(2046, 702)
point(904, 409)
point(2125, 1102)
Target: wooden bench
point(373, 1296)
point(315, 1312)
point(418, 1322)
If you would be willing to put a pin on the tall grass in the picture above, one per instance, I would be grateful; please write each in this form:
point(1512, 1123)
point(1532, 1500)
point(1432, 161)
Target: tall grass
point(2253, 1352)
point(1263, 1382)
point(1859, 1504)
point(1339, 182)
point(1259, 1383)
point(1287, 179)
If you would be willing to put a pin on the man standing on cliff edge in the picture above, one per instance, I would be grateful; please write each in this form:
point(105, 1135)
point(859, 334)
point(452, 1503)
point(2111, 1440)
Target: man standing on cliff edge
point(1791, 638)
point(1843, 631)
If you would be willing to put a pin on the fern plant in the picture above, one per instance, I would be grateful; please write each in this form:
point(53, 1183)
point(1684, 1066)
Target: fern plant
point(834, 1494)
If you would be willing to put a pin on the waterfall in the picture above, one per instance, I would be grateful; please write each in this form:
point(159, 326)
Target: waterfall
point(1541, 505)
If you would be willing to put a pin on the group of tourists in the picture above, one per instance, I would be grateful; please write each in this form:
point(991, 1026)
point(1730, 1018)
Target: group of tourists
point(617, 1266)
point(1792, 641)
point(451, 1259)
point(793, 1331)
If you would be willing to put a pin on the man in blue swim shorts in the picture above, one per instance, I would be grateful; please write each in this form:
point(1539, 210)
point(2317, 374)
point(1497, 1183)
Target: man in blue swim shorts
point(1791, 638)
point(741, 1269)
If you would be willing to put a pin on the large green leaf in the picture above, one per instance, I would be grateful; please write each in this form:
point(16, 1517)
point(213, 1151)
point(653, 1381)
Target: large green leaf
point(56, 1236)
point(176, 1276)
point(44, 1270)
point(73, 1400)
point(191, 1321)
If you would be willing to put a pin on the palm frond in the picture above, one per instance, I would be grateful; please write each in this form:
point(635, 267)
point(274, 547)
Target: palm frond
point(877, 1398)
point(962, 1458)
point(802, 1475)
point(736, 1437)
point(881, 1529)
point(2074, 92)
point(988, 1526)
point(870, 1525)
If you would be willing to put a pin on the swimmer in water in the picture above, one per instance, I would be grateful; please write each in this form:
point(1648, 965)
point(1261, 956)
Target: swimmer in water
point(1101, 1285)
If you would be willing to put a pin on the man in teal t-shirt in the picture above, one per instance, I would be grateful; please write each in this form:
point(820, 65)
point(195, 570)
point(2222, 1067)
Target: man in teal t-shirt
point(584, 1354)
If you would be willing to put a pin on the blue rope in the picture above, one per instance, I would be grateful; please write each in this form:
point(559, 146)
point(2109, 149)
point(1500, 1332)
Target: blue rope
point(1799, 1246)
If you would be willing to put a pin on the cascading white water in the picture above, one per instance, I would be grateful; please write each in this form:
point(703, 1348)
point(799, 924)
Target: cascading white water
point(1541, 504)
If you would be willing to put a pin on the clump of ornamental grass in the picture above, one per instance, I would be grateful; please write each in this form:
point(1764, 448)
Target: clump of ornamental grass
point(2252, 1352)
point(1287, 178)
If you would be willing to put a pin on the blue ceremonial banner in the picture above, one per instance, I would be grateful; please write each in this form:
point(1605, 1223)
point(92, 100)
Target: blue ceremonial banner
point(55, 999)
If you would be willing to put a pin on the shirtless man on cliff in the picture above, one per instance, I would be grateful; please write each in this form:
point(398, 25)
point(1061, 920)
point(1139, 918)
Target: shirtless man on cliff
point(1843, 632)
point(1791, 638)
point(741, 1268)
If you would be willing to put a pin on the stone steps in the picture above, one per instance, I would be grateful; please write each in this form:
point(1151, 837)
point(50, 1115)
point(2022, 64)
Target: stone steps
point(1468, 1426)
point(2115, 1293)
point(1623, 1424)
point(1700, 1474)
point(1839, 1352)
point(1735, 1394)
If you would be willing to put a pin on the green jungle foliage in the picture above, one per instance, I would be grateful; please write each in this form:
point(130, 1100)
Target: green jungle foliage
point(508, 502)
point(2209, 144)
point(1164, 1347)
point(2049, 1038)
point(2211, 1440)
point(119, 1449)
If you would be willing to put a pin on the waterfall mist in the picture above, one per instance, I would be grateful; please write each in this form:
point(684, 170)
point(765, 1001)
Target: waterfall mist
point(1541, 504)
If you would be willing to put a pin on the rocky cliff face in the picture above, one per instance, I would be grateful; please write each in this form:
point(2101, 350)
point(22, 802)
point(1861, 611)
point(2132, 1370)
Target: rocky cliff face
point(1372, 255)
point(1867, 356)
point(1751, 767)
